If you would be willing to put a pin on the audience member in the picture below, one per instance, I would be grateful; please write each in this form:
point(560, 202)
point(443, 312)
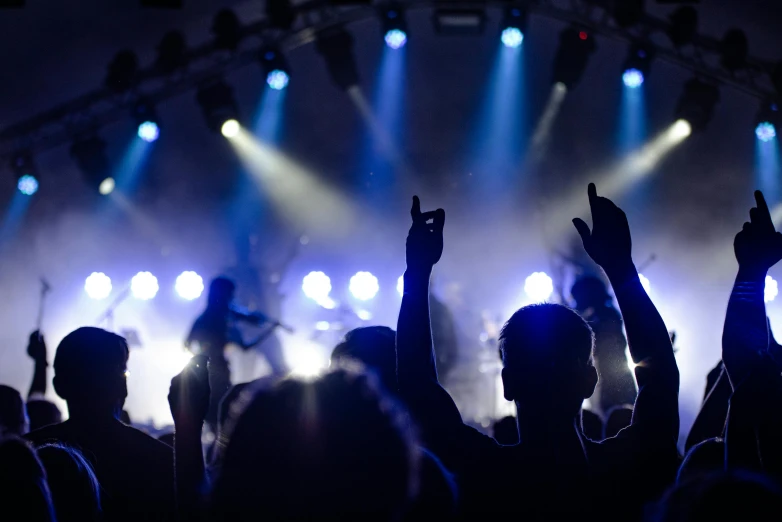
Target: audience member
point(591, 425)
point(73, 485)
point(24, 493)
point(619, 417)
point(13, 417)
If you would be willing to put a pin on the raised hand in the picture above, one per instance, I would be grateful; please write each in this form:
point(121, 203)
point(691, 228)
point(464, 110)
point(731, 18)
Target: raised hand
point(758, 246)
point(608, 243)
point(425, 240)
point(188, 396)
point(36, 347)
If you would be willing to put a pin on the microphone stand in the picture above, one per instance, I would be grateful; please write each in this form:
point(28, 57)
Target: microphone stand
point(108, 314)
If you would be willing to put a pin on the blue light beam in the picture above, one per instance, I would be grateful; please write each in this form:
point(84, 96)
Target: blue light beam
point(767, 169)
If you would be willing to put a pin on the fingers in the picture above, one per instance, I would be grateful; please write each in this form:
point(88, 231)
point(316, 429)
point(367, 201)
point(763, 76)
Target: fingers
point(582, 228)
point(438, 220)
point(762, 214)
point(415, 211)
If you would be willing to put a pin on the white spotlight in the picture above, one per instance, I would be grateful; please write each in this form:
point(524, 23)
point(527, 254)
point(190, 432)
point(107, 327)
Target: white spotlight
point(771, 289)
point(645, 283)
point(144, 286)
point(230, 128)
point(364, 286)
point(681, 129)
point(317, 286)
point(98, 285)
point(106, 186)
point(189, 285)
point(538, 287)
point(400, 285)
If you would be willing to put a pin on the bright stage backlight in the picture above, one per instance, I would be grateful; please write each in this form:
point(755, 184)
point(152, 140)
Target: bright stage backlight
point(148, 131)
point(680, 129)
point(771, 289)
point(317, 286)
point(189, 285)
point(538, 286)
point(364, 286)
point(765, 131)
point(645, 283)
point(400, 285)
point(27, 185)
point(512, 37)
point(230, 129)
point(396, 38)
point(97, 285)
point(106, 186)
point(277, 79)
point(633, 78)
point(144, 286)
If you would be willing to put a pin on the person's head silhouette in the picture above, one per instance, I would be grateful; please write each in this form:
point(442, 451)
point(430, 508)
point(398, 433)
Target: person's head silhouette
point(90, 373)
point(24, 493)
point(375, 348)
point(221, 293)
point(13, 416)
point(42, 413)
point(547, 357)
point(72, 482)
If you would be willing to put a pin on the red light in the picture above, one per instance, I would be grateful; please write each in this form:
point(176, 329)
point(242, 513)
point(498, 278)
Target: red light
point(583, 35)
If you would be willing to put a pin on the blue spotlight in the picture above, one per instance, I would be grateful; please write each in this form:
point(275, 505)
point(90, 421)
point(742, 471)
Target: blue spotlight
point(765, 131)
point(148, 131)
point(277, 79)
point(633, 78)
point(27, 185)
point(396, 38)
point(512, 37)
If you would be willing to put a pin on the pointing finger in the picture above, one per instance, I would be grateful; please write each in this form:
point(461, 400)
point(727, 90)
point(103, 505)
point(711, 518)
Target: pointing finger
point(415, 211)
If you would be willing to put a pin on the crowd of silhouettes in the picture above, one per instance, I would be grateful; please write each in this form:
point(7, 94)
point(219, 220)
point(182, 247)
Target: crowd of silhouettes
point(378, 438)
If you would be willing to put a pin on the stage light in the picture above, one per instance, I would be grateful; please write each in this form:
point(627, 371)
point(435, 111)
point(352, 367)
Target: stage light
point(123, 71)
point(144, 115)
point(400, 285)
point(277, 79)
point(636, 66)
point(322, 326)
point(514, 23)
point(364, 286)
point(697, 103)
point(97, 285)
point(144, 286)
point(90, 156)
point(317, 286)
point(645, 283)
point(230, 128)
point(218, 104)
point(23, 167)
point(681, 129)
point(771, 289)
point(276, 68)
point(512, 37)
point(459, 21)
point(27, 185)
point(336, 47)
point(227, 30)
point(394, 26)
point(633, 78)
point(395, 38)
point(765, 131)
point(572, 56)
point(189, 285)
point(364, 315)
point(538, 286)
point(148, 131)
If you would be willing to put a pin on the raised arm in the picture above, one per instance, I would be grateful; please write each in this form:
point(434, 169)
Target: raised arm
point(609, 244)
point(36, 349)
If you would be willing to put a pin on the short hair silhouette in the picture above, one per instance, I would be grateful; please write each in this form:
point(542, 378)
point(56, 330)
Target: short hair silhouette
point(13, 419)
point(24, 493)
point(375, 348)
point(42, 413)
point(72, 482)
point(619, 417)
point(221, 291)
point(330, 449)
point(703, 458)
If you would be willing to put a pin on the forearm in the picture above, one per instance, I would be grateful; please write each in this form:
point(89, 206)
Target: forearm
point(711, 420)
point(189, 471)
point(415, 358)
point(745, 334)
point(38, 384)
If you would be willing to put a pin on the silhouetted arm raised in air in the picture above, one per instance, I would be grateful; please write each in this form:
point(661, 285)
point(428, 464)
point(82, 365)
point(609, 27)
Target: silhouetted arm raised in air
point(755, 418)
point(609, 244)
point(36, 349)
point(710, 422)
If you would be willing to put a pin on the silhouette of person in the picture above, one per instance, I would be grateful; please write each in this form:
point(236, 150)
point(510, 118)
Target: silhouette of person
point(24, 493)
point(135, 471)
point(74, 487)
point(13, 417)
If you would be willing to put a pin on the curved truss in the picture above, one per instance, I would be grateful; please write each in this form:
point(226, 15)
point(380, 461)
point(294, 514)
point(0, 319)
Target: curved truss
point(103, 106)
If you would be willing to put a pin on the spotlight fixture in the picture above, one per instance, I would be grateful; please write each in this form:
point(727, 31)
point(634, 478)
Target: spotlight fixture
point(459, 21)
point(572, 56)
point(336, 47)
point(684, 26)
point(394, 26)
point(637, 65)
point(697, 102)
point(90, 155)
point(275, 66)
point(122, 71)
point(171, 52)
point(627, 13)
point(514, 23)
point(734, 49)
point(227, 30)
point(769, 120)
point(26, 175)
point(146, 120)
point(217, 104)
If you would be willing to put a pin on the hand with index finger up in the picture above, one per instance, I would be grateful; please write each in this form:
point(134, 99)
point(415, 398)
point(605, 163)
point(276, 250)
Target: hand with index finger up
point(758, 246)
point(425, 240)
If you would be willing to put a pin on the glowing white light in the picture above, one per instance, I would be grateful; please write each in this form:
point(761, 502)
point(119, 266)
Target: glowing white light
point(765, 131)
point(681, 129)
point(364, 286)
point(512, 37)
point(364, 315)
point(306, 359)
point(317, 286)
point(148, 131)
point(230, 128)
point(400, 285)
point(396, 38)
point(538, 287)
point(189, 285)
point(633, 78)
point(322, 326)
point(98, 285)
point(771, 289)
point(645, 283)
point(277, 79)
point(144, 286)
point(27, 185)
point(106, 186)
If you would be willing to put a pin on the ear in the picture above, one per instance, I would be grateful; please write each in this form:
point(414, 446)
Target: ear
point(589, 381)
point(60, 388)
point(507, 387)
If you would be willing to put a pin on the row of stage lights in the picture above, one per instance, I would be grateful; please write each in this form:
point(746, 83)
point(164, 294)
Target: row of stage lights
point(144, 286)
point(696, 103)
